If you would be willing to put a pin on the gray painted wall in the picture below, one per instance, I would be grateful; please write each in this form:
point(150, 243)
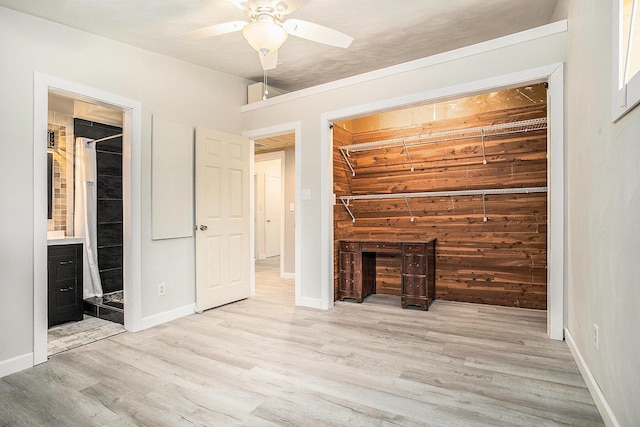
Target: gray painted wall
point(289, 217)
point(603, 190)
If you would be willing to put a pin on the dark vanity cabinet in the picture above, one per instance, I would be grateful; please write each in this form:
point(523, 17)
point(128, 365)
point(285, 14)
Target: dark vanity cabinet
point(65, 283)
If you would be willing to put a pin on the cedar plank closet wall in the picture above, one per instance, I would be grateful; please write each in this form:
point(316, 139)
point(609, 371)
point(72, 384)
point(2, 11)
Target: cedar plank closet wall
point(501, 261)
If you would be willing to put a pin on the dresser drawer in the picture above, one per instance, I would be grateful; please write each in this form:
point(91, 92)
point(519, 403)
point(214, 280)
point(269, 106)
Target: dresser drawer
point(349, 246)
point(415, 264)
point(349, 262)
point(66, 295)
point(415, 286)
point(380, 247)
point(348, 281)
point(413, 249)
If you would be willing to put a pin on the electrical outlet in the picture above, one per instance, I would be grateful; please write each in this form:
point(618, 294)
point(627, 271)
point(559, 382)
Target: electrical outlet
point(596, 336)
point(161, 289)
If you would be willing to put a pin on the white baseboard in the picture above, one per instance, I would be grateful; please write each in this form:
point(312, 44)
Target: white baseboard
point(167, 316)
point(309, 302)
point(17, 364)
point(290, 276)
point(605, 410)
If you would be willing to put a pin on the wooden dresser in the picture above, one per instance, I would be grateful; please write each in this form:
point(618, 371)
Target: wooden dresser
point(357, 269)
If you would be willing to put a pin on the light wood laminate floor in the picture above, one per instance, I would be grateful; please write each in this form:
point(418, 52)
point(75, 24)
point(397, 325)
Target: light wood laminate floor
point(264, 362)
point(75, 334)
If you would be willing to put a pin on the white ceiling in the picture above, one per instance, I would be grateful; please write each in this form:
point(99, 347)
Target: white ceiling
point(386, 32)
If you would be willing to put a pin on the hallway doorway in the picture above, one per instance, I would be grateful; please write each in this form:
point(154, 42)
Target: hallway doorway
point(274, 198)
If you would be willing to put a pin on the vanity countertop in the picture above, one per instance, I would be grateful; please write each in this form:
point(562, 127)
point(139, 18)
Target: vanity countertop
point(64, 240)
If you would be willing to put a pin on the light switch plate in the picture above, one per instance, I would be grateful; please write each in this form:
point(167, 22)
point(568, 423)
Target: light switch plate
point(291, 207)
point(306, 194)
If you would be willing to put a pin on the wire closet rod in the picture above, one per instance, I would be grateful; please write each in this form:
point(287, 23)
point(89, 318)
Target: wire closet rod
point(523, 190)
point(434, 137)
point(106, 138)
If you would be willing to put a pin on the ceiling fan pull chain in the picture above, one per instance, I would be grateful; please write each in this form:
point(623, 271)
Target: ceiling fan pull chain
point(266, 90)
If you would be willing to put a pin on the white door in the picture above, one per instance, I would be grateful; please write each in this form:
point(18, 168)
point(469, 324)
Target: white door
point(222, 218)
point(272, 213)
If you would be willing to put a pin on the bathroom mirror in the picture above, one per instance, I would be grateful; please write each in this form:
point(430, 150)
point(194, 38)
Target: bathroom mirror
point(49, 185)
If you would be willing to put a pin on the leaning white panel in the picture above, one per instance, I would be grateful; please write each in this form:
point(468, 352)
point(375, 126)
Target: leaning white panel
point(171, 179)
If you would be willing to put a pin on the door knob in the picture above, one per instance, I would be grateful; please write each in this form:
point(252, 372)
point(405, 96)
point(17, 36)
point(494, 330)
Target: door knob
point(203, 227)
point(268, 220)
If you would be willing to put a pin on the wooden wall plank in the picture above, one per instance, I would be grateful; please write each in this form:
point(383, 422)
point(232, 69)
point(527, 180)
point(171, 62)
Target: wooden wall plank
point(343, 226)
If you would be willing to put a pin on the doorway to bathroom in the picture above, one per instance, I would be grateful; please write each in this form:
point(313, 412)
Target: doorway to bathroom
point(85, 211)
point(130, 113)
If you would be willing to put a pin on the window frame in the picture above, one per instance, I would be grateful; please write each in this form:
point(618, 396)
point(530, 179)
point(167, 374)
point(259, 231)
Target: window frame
point(626, 96)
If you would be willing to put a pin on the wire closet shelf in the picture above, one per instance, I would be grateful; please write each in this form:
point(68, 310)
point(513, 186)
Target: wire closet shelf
point(346, 200)
point(444, 136)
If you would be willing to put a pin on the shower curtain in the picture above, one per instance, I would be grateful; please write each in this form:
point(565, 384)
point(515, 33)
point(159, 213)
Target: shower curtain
point(85, 217)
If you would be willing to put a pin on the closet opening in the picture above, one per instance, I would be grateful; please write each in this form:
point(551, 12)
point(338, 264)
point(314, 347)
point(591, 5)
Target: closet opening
point(469, 172)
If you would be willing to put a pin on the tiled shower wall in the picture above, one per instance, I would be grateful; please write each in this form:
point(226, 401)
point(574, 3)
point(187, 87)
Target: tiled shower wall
point(109, 204)
point(62, 126)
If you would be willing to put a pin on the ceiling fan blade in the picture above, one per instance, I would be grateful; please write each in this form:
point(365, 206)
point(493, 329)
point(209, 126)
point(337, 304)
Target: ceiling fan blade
point(214, 30)
point(317, 33)
point(269, 61)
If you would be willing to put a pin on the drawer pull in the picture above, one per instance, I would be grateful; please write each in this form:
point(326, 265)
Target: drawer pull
point(66, 289)
point(66, 262)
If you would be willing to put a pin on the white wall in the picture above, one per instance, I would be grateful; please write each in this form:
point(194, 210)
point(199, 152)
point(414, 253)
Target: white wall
point(603, 183)
point(308, 110)
point(164, 86)
point(289, 216)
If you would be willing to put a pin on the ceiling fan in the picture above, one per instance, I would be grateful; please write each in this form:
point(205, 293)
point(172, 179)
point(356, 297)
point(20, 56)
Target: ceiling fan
point(267, 28)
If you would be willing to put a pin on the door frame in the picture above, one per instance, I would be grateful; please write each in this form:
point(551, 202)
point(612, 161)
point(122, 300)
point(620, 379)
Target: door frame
point(296, 129)
point(556, 210)
point(277, 155)
point(131, 174)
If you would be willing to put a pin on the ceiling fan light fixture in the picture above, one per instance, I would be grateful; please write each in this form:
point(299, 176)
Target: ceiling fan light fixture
point(264, 35)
